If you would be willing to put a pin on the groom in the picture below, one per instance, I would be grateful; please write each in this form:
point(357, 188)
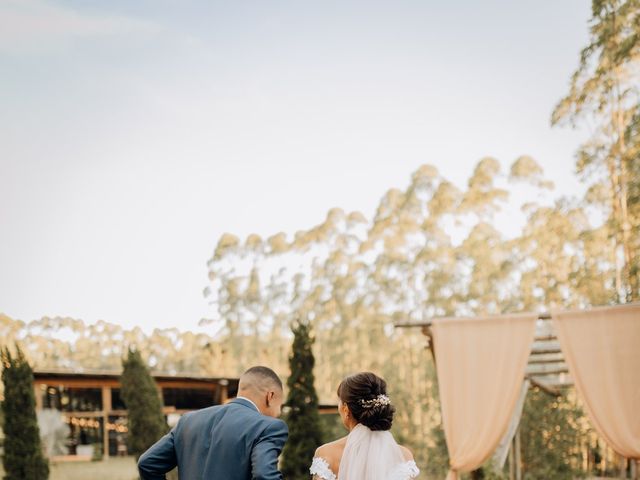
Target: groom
point(237, 441)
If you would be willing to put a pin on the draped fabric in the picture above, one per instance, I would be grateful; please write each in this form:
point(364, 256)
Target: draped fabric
point(480, 364)
point(502, 450)
point(373, 455)
point(602, 349)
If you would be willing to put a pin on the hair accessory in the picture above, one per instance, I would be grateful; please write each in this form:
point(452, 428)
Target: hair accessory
point(379, 401)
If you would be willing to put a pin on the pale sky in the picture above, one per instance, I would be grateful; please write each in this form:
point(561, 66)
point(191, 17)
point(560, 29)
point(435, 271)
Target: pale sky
point(134, 133)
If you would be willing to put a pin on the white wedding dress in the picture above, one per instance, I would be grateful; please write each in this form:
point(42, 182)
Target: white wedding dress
point(370, 455)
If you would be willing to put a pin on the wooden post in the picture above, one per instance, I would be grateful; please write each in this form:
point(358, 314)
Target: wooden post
point(426, 331)
point(38, 394)
point(224, 391)
point(512, 462)
point(106, 408)
point(634, 469)
point(518, 455)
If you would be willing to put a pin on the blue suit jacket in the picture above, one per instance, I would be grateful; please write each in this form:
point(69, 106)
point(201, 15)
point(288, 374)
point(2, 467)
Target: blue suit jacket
point(224, 442)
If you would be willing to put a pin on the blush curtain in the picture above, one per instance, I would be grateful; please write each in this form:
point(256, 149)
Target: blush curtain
point(602, 349)
point(480, 364)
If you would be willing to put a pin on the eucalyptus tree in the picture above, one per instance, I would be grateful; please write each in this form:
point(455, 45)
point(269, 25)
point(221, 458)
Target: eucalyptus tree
point(605, 95)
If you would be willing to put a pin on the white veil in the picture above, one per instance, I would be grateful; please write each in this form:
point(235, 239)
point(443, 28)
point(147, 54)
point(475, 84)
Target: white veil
point(373, 455)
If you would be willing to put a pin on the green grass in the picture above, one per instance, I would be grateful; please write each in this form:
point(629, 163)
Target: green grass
point(119, 468)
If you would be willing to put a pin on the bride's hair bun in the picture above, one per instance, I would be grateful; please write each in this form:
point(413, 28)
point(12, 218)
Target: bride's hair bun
point(366, 396)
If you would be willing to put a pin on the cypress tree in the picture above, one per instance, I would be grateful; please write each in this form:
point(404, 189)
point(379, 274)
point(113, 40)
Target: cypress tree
point(23, 458)
point(305, 432)
point(140, 394)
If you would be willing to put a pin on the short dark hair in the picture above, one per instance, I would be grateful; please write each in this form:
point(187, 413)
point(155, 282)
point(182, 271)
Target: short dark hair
point(265, 374)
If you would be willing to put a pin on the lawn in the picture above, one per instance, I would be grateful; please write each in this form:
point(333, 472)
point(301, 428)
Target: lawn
point(123, 468)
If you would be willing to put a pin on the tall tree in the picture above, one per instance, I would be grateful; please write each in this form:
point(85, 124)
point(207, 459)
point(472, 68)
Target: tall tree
point(305, 433)
point(141, 396)
point(23, 458)
point(353, 278)
point(431, 249)
point(605, 93)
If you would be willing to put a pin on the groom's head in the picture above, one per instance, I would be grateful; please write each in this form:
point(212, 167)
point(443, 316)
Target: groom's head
point(264, 388)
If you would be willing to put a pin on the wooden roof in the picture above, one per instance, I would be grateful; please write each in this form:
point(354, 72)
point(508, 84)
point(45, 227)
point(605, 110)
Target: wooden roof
point(115, 375)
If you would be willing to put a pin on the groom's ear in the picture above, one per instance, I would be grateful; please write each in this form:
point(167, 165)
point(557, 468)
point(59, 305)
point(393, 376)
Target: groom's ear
point(269, 398)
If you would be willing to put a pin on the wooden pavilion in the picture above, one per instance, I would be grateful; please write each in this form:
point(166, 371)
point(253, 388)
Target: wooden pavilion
point(90, 403)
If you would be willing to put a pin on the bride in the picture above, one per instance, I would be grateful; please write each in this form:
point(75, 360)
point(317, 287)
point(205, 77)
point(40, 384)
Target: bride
point(369, 451)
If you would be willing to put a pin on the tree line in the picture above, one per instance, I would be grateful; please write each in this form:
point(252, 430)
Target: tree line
point(432, 248)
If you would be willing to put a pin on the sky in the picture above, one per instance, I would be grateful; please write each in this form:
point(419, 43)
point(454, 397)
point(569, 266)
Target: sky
point(134, 134)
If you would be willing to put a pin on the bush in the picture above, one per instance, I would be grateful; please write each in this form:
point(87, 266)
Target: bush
point(550, 437)
point(23, 458)
point(303, 419)
point(142, 399)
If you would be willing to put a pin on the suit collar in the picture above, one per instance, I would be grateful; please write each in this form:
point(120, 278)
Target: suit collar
point(246, 402)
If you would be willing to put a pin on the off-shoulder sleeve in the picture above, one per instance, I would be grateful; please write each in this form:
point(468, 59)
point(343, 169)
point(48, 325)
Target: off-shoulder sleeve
point(406, 471)
point(320, 468)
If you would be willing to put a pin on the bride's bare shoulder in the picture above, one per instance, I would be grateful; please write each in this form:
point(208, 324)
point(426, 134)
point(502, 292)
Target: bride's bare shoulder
point(332, 452)
point(331, 449)
point(406, 453)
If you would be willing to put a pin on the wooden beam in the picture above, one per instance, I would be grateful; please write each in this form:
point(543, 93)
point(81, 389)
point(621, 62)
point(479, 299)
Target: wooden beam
point(518, 455)
point(512, 463)
point(546, 388)
point(428, 323)
point(37, 391)
point(545, 338)
point(76, 382)
point(539, 361)
point(224, 391)
point(551, 371)
point(545, 351)
point(106, 408)
point(186, 384)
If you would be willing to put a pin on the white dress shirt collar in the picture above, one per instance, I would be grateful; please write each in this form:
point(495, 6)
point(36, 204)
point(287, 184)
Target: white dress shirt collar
point(251, 402)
